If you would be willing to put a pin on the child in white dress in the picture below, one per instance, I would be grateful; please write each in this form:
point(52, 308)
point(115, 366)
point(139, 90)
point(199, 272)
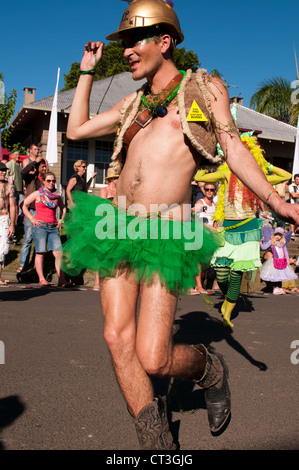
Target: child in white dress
point(276, 269)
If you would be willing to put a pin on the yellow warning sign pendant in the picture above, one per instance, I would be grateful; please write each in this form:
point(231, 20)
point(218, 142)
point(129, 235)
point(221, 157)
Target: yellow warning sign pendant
point(195, 113)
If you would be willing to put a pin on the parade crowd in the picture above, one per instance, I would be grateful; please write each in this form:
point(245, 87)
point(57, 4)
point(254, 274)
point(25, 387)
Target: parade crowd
point(41, 210)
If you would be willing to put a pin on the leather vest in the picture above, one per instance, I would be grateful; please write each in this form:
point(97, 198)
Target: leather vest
point(199, 133)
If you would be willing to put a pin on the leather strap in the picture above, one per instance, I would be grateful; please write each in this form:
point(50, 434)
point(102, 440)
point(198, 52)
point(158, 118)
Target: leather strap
point(143, 118)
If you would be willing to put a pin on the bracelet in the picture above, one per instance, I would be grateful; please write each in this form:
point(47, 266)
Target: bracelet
point(61, 221)
point(87, 72)
point(271, 192)
point(90, 71)
point(31, 217)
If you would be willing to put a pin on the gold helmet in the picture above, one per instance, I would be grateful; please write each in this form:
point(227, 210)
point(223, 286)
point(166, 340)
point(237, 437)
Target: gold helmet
point(145, 13)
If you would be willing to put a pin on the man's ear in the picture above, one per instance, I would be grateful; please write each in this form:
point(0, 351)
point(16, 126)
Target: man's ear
point(165, 43)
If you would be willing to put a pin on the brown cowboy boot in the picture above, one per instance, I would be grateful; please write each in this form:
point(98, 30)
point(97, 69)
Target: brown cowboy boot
point(152, 426)
point(216, 389)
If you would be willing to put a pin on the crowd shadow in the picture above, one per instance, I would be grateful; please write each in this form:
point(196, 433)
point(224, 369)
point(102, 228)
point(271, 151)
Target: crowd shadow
point(11, 408)
point(21, 295)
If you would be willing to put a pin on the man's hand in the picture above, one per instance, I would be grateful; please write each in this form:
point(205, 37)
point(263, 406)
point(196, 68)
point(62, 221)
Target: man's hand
point(284, 210)
point(11, 230)
point(93, 53)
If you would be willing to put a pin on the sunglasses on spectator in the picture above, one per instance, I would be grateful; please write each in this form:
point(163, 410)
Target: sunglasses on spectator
point(50, 181)
point(209, 189)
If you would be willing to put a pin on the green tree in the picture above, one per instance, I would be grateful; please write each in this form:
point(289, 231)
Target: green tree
point(274, 98)
point(113, 63)
point(185, 60)
point(7, 110)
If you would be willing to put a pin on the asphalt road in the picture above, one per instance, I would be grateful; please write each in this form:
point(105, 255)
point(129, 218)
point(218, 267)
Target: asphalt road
point(58, 391)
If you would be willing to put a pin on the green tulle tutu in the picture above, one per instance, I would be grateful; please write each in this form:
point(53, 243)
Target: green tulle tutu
point(106, 239)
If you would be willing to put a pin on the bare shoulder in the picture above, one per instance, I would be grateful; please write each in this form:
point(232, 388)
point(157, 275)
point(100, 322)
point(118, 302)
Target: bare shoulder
point(126, 99)
point(217, 90)
point(222, 119)
point(199, 202)
point(25, 162)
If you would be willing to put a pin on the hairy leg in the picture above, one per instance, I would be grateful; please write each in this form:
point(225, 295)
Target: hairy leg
point(119, 300)
point(154, 344)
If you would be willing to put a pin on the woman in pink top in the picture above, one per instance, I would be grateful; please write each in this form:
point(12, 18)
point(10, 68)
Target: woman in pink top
point(45, 225)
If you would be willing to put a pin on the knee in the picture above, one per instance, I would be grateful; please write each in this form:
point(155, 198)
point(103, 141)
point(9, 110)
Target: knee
point(120, 341)
point(154, 362)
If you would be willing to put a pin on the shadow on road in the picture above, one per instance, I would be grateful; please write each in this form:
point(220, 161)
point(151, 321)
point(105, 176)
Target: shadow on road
point(10, 409)
point(193, 328)
point(21, 295)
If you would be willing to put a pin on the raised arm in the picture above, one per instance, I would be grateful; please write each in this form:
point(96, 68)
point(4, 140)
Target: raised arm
point(239, 158)
point(279, 175)
point(80, 126)
point(214, 177)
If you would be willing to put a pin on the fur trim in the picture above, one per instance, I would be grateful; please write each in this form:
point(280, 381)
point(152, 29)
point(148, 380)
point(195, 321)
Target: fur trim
point(200, 135)
point(214, 159)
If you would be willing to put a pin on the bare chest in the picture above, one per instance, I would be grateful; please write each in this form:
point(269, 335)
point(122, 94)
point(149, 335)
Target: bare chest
point(4, 195)
point(159, 163)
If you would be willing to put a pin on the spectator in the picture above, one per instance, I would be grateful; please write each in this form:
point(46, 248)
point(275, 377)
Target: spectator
point(45, 225)
point(276, 269)
point(33, 156)
point(109, 191)
point(32, 175)
point(294, 199)
point(78, 181)
point(205, 209)
point(14, 168)
point(7, 215)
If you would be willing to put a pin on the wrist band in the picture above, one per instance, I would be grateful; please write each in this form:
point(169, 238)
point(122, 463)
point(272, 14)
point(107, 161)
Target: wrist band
point(31, 217)
point(271, 192)
point(90, 71)
point(87, 72)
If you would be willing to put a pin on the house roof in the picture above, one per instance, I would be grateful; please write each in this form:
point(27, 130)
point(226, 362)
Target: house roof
point(267, 127)
point(107, 92)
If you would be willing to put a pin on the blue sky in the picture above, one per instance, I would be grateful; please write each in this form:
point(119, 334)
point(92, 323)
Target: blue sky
point(247, 41)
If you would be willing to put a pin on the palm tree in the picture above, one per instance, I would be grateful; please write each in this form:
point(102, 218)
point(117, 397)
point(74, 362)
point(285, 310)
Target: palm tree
point(273, 98)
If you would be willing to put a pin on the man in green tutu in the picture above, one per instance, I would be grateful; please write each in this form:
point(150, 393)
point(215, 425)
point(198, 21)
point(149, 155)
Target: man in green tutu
point(166, 128)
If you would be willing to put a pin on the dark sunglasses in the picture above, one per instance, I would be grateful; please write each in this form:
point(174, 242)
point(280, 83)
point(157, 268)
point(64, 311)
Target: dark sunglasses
point(137, 39)
point(50, 181)
point(209, 189)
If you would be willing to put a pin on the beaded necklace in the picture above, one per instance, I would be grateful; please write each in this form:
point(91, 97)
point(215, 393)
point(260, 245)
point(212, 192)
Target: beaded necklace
point(157, 104)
